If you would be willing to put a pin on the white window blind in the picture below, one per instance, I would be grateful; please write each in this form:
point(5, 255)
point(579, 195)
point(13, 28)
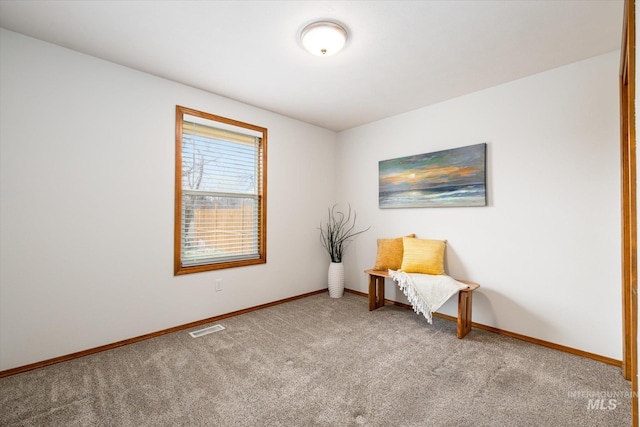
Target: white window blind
point(221, 179)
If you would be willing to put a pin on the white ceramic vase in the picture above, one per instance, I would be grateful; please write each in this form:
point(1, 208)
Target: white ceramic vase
point(336, 279)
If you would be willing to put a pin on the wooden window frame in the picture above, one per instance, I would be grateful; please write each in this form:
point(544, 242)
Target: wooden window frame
point(179, 269)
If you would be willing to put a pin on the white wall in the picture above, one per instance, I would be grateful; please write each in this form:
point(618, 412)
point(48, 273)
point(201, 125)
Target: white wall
point(546, 251)
point(87, 195)
point(86, 204)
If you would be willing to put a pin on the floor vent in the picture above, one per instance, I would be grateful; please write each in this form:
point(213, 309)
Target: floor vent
point(205, 331)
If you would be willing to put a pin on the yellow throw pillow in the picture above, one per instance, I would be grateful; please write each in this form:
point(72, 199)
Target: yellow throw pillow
point(390, 253)
point(423, 256)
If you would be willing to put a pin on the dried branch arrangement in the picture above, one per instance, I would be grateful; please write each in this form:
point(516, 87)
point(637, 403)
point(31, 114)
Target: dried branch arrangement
point(338, 232)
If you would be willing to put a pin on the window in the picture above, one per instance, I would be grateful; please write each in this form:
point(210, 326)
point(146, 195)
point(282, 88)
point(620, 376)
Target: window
point(220, 207)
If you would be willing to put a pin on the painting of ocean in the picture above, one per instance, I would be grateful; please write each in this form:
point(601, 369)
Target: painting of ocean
point(448, 178)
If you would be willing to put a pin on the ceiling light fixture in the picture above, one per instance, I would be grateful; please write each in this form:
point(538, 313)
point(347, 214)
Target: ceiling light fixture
point(323, 38)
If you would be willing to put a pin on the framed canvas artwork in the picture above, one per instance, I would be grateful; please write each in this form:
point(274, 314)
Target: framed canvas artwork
point(448, 178)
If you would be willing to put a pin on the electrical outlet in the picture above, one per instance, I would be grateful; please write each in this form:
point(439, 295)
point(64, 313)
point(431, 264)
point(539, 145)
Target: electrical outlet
point(218, 284)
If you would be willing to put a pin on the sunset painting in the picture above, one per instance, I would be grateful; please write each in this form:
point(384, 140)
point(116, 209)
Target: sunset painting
point(449, 178)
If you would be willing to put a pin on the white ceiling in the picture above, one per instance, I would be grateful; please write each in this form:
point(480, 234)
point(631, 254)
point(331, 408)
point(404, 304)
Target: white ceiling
point(401, 55)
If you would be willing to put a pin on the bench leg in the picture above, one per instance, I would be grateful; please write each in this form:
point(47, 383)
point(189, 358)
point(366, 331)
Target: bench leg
point(376, 292)
point(380, 299)
point(464, 313)
point(372, 293)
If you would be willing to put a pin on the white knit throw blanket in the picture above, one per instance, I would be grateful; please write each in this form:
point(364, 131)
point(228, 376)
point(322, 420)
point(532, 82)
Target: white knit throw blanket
point(426, 292)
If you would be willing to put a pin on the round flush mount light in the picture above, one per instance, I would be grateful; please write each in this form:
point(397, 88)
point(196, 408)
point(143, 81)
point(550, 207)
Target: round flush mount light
point(323, 38)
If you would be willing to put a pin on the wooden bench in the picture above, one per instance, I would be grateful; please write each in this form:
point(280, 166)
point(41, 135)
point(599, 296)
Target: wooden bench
point(376, 298)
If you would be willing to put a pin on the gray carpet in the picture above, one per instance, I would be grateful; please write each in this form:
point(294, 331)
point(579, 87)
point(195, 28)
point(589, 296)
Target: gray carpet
point(319, 361)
